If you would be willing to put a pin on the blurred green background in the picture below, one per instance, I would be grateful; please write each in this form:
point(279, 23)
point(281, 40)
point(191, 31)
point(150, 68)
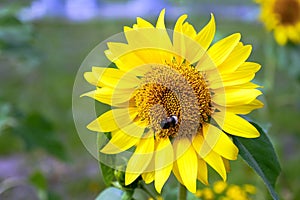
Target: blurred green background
point(41, 155)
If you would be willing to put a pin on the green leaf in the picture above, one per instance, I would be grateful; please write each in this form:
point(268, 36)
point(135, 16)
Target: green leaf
point(260, 155)
point(107, 172)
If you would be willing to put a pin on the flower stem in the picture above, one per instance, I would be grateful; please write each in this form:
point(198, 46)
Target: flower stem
point(182, 192)
point(149, 192)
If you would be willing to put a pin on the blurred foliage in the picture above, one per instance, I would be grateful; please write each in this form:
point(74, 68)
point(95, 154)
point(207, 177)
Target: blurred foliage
point(35, 107)
point(38, 132)
point(16, 39)
point(6, 120)
point(22, 130)
point(16, 49)
point(40, 182)
point(32, 129)
point(289, 59)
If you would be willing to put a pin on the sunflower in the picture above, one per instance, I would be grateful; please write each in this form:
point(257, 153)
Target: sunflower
point(175, 102)
point(283, 17)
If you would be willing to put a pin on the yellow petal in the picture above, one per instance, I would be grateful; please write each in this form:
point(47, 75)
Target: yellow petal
point(123, 139)
point(226, 164)
point(89, 94)
point(206, 35)
point(161, 20)
point(190, 45)
point(235, 78)
point(235, 97)
point(280, 35)
point(139, 60)
point(248, 85)
point(125, 62)
point(110, 96)
point(179, 22)
point(191, 50)
point(187, 163)
point(219, 52)
point(249, 67)
point(143, 23)
point(179, 38)
point(145, 36)
point(92, 79)
point(113, 120)
point(152, 56)
point(293, 34)
point(177, 173)
point(116, 50)
point(139, 37)
point(115, 78)
point(127, 57)
point(162, 34)
point(184, 41)
point(139, 161)
point(216, 162)
point(201, 147)
point(149, 173)
point(189, 30)
point(163, 162)
point(220, 142)
point(202, 171)
point(244, 73)
point(235, 125)
point(237, 57)
point(148, 177)
point(213, 77)
point(243, 109)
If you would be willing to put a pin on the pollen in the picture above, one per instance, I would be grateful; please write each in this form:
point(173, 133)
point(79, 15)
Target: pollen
point(288, 11)
point(177, 90)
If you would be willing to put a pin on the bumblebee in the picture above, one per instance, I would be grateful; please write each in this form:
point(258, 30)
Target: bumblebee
point(169, 122)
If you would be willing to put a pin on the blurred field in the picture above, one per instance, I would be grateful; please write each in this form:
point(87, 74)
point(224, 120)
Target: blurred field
point(46, 91)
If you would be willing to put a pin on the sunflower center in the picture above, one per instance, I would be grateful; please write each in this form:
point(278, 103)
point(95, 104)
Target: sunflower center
point(174, 99)
point(288, 11)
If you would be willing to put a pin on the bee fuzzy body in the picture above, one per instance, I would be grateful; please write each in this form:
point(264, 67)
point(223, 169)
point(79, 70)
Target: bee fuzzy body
point(169, 122)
